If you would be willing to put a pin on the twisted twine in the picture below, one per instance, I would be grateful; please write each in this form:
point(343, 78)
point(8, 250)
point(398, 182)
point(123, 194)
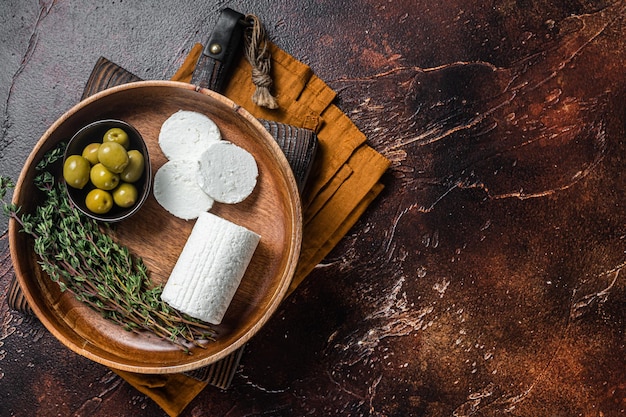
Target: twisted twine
point(259, 58)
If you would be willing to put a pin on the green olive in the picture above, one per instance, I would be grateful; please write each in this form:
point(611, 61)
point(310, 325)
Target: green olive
point(118, 135)
point(99, 201)
point(125, 195)
point(134, 169)
point(90, 153)
point(76, 171)
point(101, 177)
point(113, 156)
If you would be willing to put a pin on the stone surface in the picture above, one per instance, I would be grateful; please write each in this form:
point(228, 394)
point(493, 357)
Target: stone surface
point(487, 278)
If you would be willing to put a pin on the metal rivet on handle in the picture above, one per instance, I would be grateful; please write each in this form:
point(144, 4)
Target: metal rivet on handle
point(215, 48)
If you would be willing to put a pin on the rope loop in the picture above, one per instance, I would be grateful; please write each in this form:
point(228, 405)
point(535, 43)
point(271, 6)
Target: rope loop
point(260, 59)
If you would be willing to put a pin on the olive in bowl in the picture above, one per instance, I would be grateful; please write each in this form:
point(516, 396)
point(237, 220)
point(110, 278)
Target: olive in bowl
point(106, 167)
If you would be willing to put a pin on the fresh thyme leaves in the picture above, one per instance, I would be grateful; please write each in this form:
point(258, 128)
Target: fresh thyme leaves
point(51, 157)
point(79, 257)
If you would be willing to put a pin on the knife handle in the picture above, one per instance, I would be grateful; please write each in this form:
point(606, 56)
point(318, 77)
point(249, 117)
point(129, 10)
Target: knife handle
point(212, 68)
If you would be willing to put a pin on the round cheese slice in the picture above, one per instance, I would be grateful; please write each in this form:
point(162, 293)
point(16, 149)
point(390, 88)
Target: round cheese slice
point(227, 173)
point(176, 189)
point(186, 134)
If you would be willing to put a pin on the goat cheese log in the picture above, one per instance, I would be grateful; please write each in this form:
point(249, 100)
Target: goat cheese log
point(227, 173)
point(210, 267)
point(186, 134)
point(176, 189)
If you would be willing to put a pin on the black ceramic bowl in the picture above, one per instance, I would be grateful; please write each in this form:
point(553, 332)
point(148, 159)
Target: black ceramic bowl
point(94, 133)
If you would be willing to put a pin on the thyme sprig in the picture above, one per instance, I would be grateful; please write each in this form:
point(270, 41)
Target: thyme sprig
point(76, 254)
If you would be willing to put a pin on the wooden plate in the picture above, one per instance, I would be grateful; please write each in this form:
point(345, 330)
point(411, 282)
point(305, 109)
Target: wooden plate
point(273, 211)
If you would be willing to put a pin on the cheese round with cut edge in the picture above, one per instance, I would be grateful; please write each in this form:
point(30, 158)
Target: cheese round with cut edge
point(210, 267)
point(186, 134)
point(228, 173)
point(175, 188)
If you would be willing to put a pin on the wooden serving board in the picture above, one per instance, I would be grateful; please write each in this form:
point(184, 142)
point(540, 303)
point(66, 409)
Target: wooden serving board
point(273, 211)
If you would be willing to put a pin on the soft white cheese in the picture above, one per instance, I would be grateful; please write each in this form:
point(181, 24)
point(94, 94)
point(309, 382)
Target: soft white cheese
point(228, 173)
point(186, 134)
point(210, 268)
point(175, 188)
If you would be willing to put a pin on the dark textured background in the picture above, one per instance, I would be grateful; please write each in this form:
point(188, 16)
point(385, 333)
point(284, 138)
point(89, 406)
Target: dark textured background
point(487, 278)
